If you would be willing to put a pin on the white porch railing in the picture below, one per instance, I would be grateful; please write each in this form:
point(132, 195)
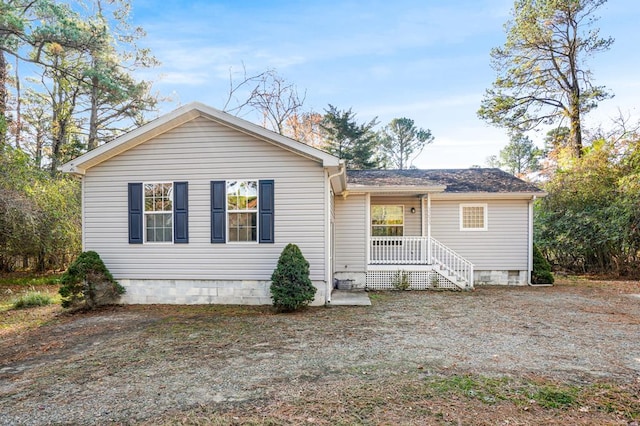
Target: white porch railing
point(399, 251)
point(452, 262)
point(421, 251)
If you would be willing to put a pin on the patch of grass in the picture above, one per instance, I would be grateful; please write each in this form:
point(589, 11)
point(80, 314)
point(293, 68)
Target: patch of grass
point(377, 296)
point(14, 320)
point(619, 400)
point(29, 280)
point(485, 389)
point(547, 395)
point(439, 399)
point(556, 396)
point(32, 299)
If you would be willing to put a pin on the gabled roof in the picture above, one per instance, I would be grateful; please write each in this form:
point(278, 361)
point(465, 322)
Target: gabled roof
point(183, 115)
point(475, 180)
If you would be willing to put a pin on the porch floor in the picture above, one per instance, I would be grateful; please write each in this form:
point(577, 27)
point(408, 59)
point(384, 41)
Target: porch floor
point(350, 298)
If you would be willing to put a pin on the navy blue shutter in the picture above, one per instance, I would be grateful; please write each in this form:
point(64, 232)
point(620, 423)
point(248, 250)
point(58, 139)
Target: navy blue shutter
point(180, 212)
point(266, 211)
point(135, 213)
point(218, 210)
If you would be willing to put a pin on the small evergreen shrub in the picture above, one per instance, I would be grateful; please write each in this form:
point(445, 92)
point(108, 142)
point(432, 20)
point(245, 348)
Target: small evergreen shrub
point(88, 283)
point(401, 281)
point(31, 300)
point(291, 287)
point(541, 273)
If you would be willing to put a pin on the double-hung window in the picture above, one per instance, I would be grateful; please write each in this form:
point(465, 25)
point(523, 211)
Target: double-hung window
point(242, 210)
point(158, 212)
point(473, 217)
point(387, 221)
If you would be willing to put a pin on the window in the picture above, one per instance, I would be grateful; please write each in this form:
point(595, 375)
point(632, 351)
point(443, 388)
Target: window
point(242, 210)
point(473, 217)
point(158, 212)
point(387, 221)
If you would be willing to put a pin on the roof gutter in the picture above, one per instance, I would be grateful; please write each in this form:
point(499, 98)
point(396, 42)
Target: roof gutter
point(341, 172)
point(420, 190)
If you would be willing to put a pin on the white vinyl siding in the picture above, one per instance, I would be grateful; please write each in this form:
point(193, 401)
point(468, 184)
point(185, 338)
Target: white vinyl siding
point(199, 152)
point(351, 233)
point(503, 246)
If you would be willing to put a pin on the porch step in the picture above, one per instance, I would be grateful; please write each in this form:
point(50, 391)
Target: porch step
point(349, 298)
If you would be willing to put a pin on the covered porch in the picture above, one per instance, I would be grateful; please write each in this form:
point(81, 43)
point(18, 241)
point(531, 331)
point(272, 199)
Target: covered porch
point(400, 245)
point(434, 228)
point(423, 254)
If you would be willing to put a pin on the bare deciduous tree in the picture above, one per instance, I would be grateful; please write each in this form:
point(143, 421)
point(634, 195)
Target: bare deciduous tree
point(268, 94)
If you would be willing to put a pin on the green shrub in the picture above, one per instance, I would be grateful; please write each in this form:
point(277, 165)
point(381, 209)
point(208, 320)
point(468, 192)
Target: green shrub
point(88, 283)
point(541, 273)
point(32, 299)
point(291, 287)
point(401, 281)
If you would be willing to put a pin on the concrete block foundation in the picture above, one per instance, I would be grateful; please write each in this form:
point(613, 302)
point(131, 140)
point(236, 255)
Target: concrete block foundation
point(203, 292)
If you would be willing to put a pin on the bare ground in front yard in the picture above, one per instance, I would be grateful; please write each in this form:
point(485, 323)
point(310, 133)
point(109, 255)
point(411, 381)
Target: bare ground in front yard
point(568, 354)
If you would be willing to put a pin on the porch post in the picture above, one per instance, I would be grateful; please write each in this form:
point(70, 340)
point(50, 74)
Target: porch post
point(429, 228)
point(368, 227)
point(424, 243)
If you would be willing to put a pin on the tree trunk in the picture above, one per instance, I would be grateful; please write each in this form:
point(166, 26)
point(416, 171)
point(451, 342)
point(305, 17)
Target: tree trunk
point(4, 121)
point(39, 143)
point(56, 141)
point(18, 106)
point(575, 134)
point(92, 142)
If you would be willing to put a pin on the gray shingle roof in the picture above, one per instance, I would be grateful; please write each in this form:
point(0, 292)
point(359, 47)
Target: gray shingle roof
point(456, 180)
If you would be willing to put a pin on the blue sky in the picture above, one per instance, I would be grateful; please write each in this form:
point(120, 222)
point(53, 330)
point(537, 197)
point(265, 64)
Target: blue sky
point(426, 60)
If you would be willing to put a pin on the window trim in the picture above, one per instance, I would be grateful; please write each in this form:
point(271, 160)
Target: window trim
point(228, 211)
point(371, 225)
point(144, 213)
point(485, 209)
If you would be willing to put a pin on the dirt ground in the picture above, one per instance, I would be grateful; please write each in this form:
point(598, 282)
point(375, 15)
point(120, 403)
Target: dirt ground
point(568, 354)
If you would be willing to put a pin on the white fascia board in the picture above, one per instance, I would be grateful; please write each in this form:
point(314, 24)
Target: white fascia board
point(487, 195)
point(394, 189)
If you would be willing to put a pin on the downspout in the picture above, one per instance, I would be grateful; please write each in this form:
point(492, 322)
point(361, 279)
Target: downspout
point(429, 244)
point(82, 213)
point(367, 232)
point(530, 241)
point(327, 234)
point(341, 170)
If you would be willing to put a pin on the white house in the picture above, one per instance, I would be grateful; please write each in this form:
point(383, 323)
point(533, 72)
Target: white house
point(196, 206)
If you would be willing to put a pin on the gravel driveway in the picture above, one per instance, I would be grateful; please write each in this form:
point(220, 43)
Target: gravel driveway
point(134, 363)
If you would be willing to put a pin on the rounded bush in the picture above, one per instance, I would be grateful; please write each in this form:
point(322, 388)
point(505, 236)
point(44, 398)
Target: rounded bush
point(291, 287)
point(88, 283)
point(541, 273)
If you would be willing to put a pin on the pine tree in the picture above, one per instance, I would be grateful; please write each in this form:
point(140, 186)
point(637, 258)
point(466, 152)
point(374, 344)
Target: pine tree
point(354, 143)
point(291, 287)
